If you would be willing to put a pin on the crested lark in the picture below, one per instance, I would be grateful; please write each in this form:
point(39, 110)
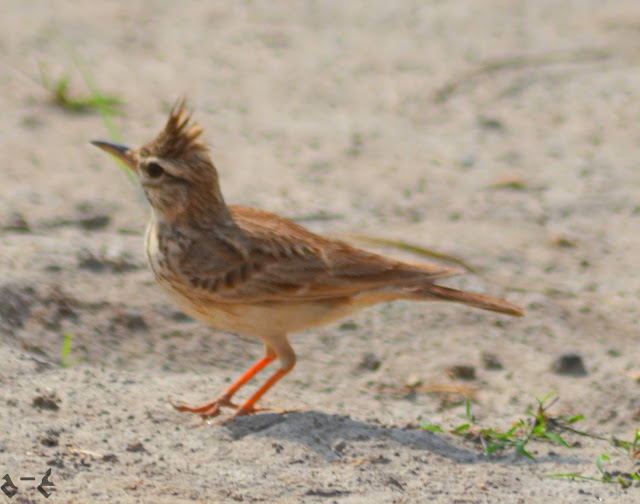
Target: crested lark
point(250, 272)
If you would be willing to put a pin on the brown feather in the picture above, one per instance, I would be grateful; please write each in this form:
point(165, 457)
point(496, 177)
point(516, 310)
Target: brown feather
point(251, 272)
point(180, 138)
point(441, 293)
point(295, 264)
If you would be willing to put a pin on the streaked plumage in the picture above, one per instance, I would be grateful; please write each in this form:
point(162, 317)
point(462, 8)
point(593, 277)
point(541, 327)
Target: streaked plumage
point(254, 273)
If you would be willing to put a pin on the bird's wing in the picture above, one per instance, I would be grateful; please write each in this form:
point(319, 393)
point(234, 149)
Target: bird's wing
point(274, 259)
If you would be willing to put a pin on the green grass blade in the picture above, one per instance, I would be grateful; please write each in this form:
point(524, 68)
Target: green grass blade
point(603, 457)
point(557, 438)
point(520, 448)
point(66, 350)
point(467, 407)
point(105, 106)
point(461, 428)
point(573, 476)
point(431, 427)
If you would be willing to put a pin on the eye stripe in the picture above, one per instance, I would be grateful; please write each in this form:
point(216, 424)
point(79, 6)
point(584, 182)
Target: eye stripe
point(155, 171)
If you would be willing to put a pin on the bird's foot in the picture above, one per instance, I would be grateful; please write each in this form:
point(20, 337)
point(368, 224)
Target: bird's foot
point(207, 410)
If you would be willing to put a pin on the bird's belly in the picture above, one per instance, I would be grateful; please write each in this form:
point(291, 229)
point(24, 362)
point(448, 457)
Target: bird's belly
point(262, 319)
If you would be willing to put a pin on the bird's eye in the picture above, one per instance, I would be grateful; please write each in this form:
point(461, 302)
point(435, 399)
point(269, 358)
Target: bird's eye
point(154, 170)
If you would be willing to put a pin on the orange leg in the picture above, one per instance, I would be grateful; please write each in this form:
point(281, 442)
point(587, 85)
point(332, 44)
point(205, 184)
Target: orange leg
point(212, 408)
point(249, 406)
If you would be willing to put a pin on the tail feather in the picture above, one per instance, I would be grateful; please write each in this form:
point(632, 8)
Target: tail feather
point(440, 293)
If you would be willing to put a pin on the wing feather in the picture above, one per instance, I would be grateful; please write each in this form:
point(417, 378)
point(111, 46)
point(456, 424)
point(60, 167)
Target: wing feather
point(276, 260)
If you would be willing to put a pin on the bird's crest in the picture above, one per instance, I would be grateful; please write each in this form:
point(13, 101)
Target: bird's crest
point(180, 137)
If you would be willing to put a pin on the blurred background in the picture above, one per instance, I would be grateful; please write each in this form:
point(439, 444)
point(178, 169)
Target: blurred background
point(501, 133)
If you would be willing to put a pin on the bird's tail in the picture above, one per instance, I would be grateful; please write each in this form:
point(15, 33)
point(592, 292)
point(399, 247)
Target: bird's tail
point(440, 293)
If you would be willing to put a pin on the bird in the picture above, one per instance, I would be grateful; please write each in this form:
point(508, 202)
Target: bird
point(253, 273)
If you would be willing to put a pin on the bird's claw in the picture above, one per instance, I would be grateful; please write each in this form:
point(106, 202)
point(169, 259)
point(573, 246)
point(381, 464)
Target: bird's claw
point(207, 410)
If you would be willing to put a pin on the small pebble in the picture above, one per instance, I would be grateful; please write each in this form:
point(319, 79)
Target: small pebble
point(87, 260)
point(116, 259)
point(339, 446)
point(90, 217)
point(491, 361)
point(370, 362)
point(179, 316)
point(17, 222)
point(49, 402)
point(491, 123)
point(569, 364)
point(463, 372)
point(16, 303)
point(49, 440)
point(94, 222)
point(132, 319)
point(135, 447)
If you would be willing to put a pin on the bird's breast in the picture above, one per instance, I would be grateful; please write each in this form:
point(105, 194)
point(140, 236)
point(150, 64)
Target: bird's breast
point(259, 319)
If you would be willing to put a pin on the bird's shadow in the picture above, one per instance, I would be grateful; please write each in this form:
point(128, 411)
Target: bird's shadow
point(327, 435)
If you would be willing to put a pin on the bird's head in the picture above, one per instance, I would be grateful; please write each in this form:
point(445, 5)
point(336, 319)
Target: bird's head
point(175, 171)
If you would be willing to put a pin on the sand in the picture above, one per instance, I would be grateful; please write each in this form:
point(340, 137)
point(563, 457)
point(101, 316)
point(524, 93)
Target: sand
point(503, 133)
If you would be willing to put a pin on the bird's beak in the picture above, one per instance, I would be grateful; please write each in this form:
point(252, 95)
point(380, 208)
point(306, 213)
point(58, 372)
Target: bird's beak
point(121, 152)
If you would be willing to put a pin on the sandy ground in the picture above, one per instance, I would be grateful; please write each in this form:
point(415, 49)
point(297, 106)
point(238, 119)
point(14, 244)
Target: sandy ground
point(389, 118)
